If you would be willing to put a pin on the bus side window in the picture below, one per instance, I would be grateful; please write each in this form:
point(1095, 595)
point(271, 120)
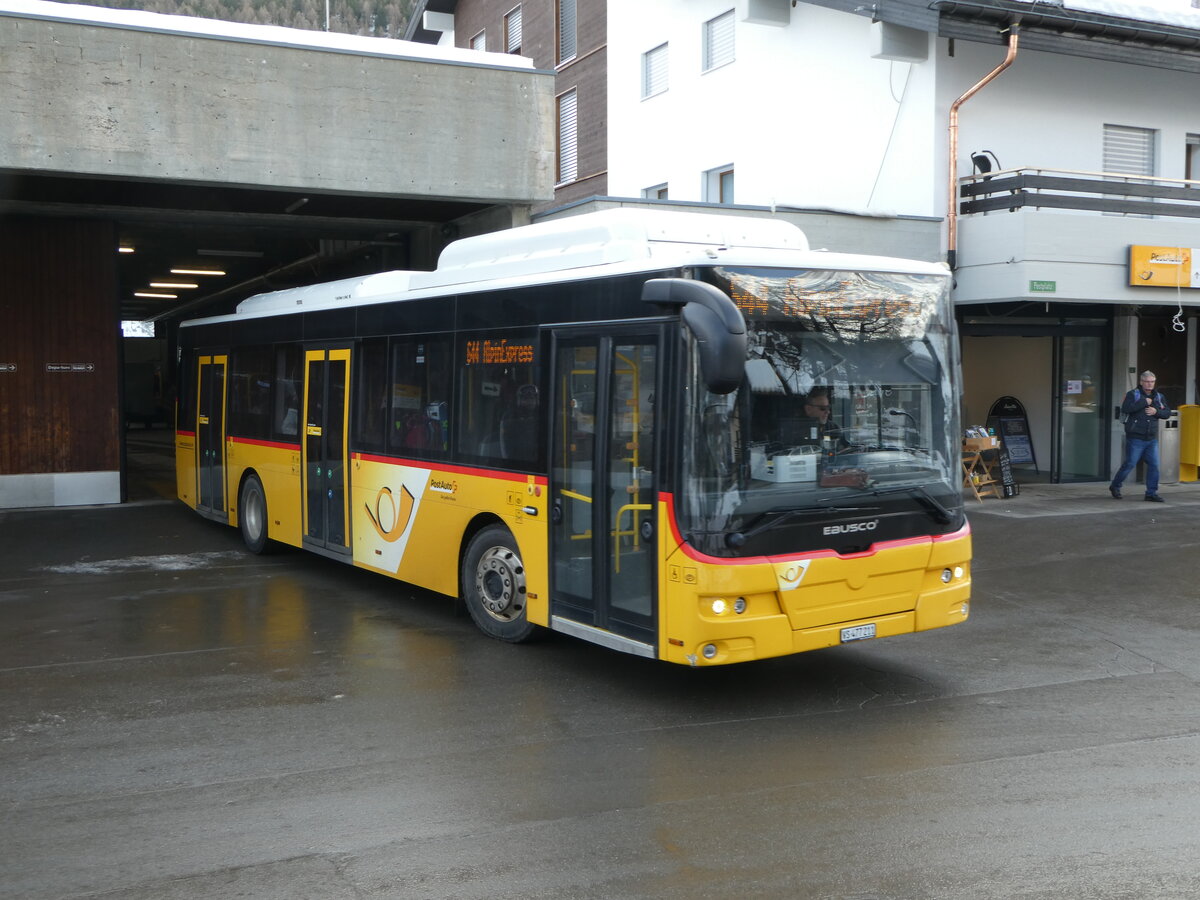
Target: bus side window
point(286, 418)
point(249, 392)
point(420, 381)
point(499, 407)
point(371, 409)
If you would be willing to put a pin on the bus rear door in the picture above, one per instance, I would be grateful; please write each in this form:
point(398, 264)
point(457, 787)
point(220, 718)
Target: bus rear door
point(603, 488)
point(210, 436)
point(325, 491)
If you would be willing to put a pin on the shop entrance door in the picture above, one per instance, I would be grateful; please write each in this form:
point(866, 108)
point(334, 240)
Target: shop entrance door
point(1080, 439)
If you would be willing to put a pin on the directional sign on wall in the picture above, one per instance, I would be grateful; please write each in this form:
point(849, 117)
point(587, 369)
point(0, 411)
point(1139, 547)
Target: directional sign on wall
point(1173, 267)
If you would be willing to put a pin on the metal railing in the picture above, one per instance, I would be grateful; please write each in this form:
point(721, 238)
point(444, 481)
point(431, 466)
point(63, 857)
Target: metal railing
point(1105, 192)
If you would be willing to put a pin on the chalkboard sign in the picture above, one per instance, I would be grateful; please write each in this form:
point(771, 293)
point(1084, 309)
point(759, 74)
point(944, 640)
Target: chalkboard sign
point(1008, 483)
point(1008, 417)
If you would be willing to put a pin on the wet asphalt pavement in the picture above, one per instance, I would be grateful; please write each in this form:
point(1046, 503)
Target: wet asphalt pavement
point(179, 719)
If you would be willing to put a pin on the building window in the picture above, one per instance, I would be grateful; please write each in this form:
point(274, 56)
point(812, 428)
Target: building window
point(1191, 169)
point(1129, 151)
point(718, 41)
point(479, 42)
point(566, 30)
point(568, 138)
point(512, 30)
point(658, 192)
point(718, 185)
point(654, 71)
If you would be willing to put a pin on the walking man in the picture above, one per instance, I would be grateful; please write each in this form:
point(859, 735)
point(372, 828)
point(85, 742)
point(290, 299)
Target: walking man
point(1142, 408)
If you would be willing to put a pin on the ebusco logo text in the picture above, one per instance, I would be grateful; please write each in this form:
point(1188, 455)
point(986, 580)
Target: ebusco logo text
point(443, 487)
point(851, 527)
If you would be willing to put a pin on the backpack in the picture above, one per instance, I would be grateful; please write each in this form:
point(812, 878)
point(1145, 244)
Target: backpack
point(1156, 396)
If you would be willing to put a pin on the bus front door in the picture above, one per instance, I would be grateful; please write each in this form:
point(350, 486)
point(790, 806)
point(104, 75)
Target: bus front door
point(326, 495)
point(603, 489)
point(210, 436)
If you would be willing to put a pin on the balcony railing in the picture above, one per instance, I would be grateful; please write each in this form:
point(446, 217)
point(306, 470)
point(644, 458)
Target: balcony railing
point(1105, 192)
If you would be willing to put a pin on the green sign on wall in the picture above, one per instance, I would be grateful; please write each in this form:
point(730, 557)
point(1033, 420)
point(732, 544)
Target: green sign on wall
point(1043, 287)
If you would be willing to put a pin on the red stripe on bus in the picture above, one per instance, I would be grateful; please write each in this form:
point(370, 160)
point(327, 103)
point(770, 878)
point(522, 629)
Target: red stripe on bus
point(278, 445)
point(695, 554)
point(433, 465)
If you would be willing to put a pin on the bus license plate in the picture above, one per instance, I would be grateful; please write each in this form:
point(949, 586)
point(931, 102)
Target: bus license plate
point(858, 633)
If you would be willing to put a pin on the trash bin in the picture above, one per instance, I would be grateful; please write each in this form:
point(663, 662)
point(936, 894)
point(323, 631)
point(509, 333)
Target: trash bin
point(1168, 449)
point(1189, 442)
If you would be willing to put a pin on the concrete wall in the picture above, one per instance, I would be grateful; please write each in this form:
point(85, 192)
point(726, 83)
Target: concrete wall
point(126, 103)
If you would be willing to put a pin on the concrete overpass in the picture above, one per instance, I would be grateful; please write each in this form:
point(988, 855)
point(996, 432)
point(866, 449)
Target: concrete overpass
point(276, 156)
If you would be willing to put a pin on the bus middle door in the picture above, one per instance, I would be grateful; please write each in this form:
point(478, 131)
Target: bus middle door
point(210, 436)
point(324, 448)
point(603, 489)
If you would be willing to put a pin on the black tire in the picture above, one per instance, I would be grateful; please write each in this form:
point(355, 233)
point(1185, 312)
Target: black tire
point(252, 515)
point(492, 582)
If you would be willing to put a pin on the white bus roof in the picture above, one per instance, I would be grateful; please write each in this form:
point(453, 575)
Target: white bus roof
point(590, 245)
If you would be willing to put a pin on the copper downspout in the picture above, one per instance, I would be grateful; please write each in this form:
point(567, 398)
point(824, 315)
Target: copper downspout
point(952, 214)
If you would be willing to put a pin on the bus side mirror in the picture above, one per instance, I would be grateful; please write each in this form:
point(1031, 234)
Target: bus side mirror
point(716, 323)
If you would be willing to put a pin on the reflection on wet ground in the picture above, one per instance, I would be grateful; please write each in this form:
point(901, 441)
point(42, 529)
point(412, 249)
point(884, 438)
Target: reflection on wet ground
point(193, 721)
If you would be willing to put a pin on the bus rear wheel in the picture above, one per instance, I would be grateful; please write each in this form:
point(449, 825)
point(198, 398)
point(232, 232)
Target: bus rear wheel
point(252, 515)
point(493, 585)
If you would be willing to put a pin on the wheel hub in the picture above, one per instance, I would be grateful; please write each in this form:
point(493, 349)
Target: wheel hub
point(500, 581)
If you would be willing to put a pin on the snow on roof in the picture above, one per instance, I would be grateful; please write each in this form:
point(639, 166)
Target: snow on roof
point(1165, 12)
point(192, 26)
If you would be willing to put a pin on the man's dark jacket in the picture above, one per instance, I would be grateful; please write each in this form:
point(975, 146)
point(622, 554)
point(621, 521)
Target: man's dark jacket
point(1141, 410)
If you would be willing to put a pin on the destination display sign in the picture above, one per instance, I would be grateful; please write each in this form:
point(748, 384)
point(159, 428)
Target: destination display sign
point(499, 352)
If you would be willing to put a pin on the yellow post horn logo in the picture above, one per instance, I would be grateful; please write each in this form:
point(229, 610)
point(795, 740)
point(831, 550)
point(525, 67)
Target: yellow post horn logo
point(399, 516)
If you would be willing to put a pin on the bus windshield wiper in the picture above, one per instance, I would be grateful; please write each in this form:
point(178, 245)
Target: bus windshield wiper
point(936, 510)
point(774, 517)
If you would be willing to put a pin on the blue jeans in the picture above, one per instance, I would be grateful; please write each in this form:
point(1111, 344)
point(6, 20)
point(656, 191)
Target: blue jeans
point(1136, 449)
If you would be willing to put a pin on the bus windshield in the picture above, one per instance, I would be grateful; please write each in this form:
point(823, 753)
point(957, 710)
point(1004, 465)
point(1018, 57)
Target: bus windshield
point(847, 406)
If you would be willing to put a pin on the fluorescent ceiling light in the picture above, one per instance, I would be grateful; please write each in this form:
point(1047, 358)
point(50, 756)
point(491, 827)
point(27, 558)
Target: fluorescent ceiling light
point(197, 272)
point(173, 284)
point(124, 249)
point(156, 296)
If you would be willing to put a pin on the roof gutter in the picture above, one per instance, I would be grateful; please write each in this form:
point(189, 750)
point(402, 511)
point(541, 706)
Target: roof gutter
point(952, 199)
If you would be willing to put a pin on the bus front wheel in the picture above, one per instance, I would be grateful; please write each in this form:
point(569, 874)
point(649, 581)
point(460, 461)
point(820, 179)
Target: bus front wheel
point(252, 515)
point(493, 585)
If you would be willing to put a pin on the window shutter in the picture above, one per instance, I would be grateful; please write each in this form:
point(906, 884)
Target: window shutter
point(1129, 151)
point(718, 41)
point(654, 71)
point(566, 30)
point(568, 138)
point(512, 31)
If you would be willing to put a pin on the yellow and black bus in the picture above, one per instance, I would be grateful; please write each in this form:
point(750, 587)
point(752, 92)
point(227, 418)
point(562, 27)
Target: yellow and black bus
point(683, 436)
